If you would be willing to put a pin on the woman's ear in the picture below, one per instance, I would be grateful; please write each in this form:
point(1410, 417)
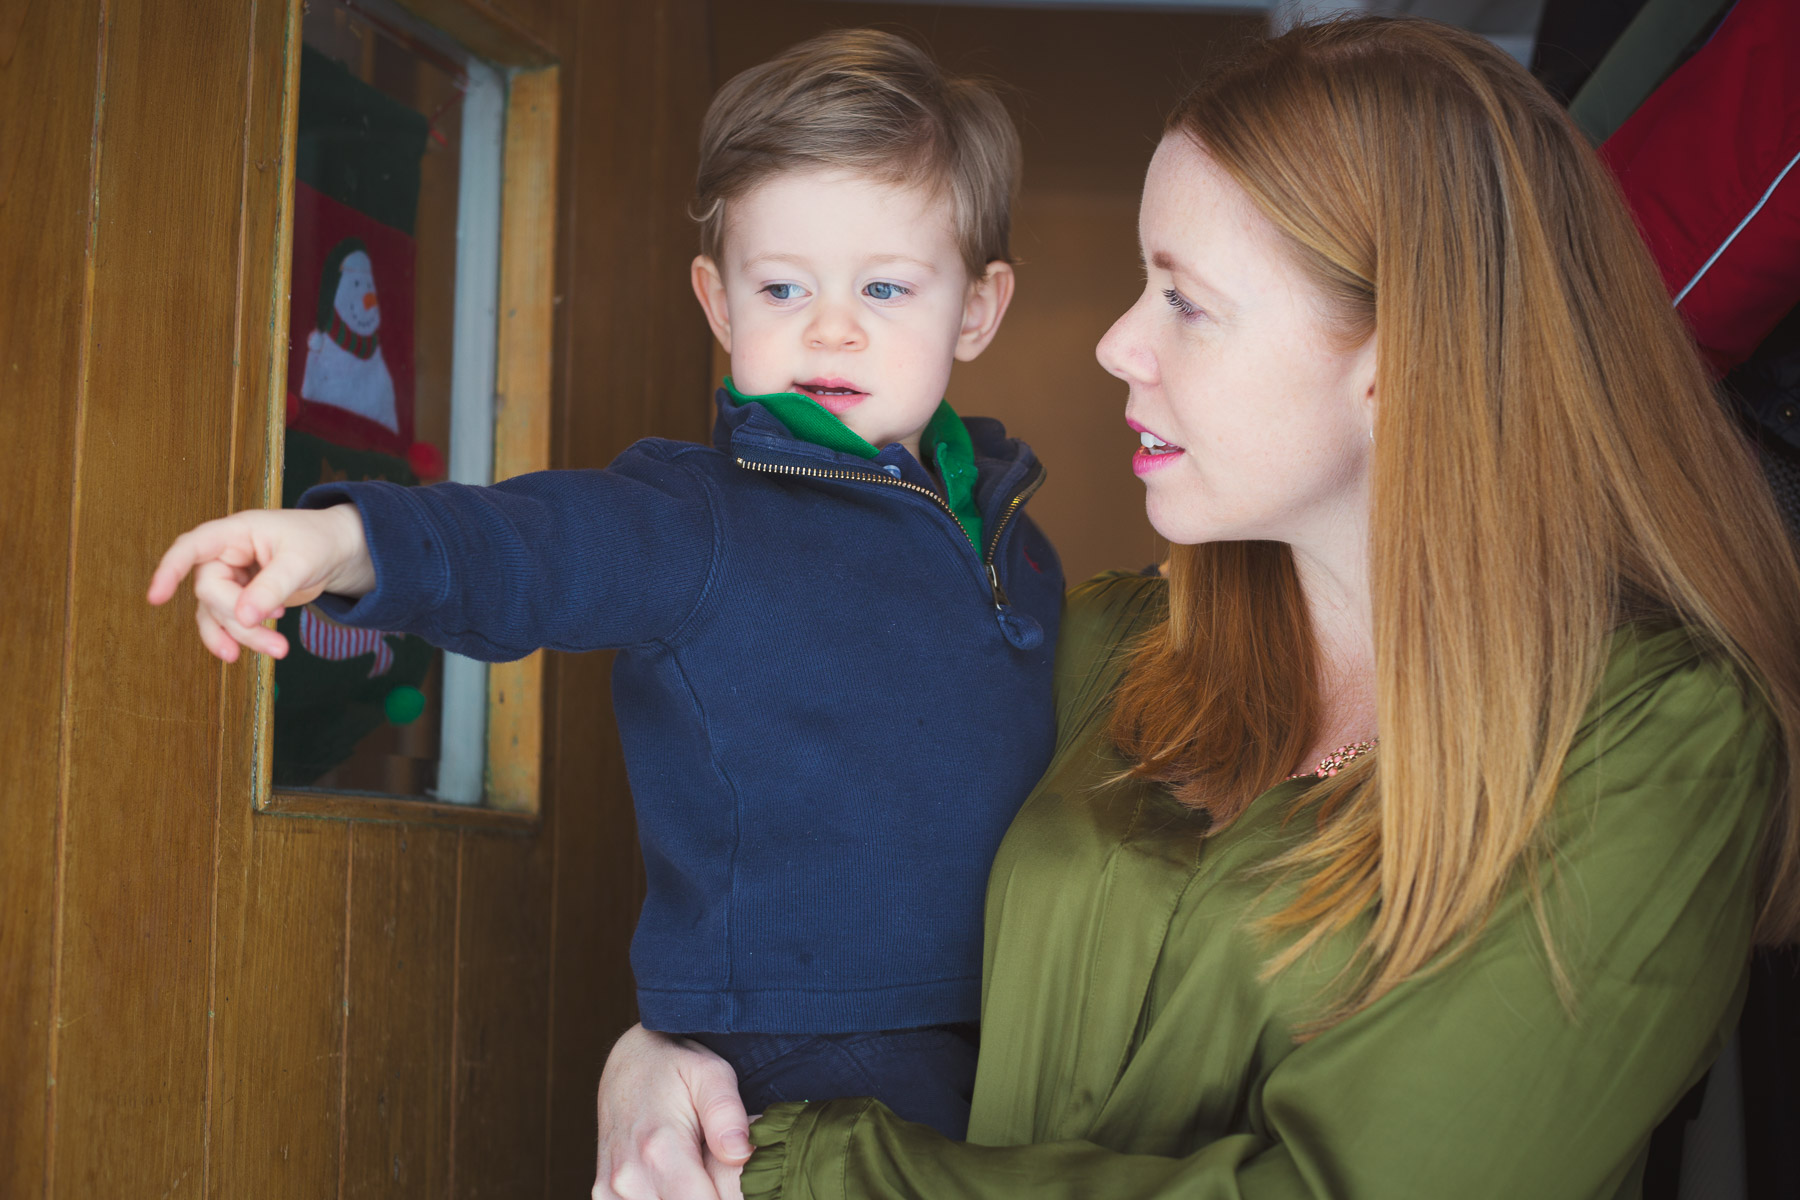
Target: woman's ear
point(709, 290)
point(1362, 380)
point(983, 308)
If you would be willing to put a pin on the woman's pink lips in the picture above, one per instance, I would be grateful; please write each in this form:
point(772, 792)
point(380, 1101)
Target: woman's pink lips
point(1144, 462)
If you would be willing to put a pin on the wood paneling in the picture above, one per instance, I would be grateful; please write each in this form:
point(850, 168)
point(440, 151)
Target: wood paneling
point(493, 30)
point(46, 50)
point(277, 1090)
point(276, 998)
point(542, 18)
point(142, 703)
point(502, 1049)
point(522, 402)
point(334, 997)
point(400, 1003)
point(363, 808)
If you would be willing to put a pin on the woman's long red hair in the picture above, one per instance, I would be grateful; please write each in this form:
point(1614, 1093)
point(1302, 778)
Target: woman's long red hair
point(1550, 460)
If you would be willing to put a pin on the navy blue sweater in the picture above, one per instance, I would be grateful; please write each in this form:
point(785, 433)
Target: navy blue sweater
point(830, 705)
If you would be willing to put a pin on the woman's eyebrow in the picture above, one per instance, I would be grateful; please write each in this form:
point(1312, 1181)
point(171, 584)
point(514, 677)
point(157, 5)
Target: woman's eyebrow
point(1162, 260)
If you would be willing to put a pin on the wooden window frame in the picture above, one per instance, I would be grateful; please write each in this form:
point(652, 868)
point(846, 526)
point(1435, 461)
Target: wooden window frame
point(526, 306)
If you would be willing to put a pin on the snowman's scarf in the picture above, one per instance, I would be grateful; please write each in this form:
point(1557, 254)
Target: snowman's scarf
point(356, 343)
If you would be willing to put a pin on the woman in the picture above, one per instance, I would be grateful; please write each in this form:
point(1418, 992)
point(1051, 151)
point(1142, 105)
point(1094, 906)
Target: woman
point(1443, 471)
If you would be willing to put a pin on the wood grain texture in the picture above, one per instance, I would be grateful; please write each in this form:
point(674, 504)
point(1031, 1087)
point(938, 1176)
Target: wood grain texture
point(259, 432)
point(142, 701)
point(304, 1000)
point(277, 1094)
point(491, 30)
point(400, 1001)
point(522, 401)
point(275, 1089)
point(45, 170)
point(366, 807)
point(679, 351)
point(502, 1018)
point(543, 18)
point(599, 889)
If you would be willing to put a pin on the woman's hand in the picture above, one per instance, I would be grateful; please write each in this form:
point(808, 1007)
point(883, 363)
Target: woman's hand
point(671, 1124)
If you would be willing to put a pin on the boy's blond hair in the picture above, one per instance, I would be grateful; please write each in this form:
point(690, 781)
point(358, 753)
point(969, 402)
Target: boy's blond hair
point(872, 103)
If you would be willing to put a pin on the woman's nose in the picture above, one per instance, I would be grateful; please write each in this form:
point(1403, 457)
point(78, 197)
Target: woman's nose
point(1121, 351)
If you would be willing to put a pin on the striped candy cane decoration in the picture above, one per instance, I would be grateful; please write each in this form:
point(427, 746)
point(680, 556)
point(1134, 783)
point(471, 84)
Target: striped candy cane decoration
point(326, 639)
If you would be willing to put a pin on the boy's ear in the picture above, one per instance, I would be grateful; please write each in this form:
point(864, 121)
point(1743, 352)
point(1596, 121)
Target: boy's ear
point(983, 308)
point(709, 290)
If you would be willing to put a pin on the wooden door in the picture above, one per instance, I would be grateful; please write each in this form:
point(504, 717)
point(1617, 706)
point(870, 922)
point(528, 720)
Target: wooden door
point(203, 1000)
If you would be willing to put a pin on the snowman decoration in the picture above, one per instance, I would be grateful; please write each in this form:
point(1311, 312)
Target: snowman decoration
point(344, 367)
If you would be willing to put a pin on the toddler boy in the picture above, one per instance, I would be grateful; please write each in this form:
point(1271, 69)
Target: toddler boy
point(835, 623)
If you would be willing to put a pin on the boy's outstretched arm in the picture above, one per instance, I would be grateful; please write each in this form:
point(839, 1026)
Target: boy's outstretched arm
point(254, 565)
point(567, 560)
point(570, 560)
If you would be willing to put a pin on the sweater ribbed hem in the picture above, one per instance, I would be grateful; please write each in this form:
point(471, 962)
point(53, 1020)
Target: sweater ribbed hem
point(795, 1010)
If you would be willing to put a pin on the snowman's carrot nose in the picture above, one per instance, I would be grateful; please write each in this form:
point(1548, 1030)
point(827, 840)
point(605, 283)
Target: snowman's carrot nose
point(369, 300)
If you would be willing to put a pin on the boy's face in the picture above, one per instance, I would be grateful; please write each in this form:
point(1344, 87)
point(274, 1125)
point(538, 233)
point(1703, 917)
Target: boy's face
point(851, 291)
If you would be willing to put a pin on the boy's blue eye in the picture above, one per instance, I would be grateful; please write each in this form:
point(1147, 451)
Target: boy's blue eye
point(782, 291)
point(884, 291)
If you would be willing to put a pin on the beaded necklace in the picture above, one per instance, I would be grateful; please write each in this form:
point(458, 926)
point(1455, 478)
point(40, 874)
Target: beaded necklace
point(1337, 760)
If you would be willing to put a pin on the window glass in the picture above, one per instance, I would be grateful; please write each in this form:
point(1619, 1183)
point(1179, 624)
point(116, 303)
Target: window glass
point(390, 373)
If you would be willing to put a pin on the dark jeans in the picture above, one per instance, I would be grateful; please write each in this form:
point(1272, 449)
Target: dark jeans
point(924, 1075)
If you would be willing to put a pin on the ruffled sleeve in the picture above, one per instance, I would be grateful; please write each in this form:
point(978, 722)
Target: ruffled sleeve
point(783, 1126)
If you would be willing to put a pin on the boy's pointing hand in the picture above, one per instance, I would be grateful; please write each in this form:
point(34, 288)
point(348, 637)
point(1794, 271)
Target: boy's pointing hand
point(254, 565)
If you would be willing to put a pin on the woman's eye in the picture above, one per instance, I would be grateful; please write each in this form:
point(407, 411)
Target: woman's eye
point(782, 291)
point(1180, 303)
point(885, 291)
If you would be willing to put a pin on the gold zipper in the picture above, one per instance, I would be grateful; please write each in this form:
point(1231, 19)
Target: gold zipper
point(987, 559)
point(1012, 507)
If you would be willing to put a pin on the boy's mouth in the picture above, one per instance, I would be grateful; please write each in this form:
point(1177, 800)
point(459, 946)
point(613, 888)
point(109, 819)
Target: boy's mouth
point(837, 396)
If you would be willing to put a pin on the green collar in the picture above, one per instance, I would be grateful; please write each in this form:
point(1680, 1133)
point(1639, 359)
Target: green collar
point(945, 444)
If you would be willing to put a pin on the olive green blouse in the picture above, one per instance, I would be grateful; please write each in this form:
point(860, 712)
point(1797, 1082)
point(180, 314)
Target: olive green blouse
point(1132, 1047)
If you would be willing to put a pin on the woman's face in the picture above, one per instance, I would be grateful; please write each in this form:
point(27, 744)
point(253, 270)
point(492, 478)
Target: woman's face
point(1264, 417)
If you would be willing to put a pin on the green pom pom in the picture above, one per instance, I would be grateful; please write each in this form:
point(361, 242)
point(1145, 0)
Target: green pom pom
point(404, 704)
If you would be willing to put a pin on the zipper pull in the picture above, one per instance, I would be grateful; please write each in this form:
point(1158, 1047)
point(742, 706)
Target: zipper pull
point(1019, 630)
point(1000, 600)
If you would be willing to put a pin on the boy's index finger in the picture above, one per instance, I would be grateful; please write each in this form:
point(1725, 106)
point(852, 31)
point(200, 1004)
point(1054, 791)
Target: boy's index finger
point(197, 545)
point(174, 566)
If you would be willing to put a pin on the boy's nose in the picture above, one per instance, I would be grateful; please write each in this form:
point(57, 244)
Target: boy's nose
point(833, 328)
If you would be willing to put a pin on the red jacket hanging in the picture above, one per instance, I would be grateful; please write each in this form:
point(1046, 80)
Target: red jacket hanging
point(1708, 165)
